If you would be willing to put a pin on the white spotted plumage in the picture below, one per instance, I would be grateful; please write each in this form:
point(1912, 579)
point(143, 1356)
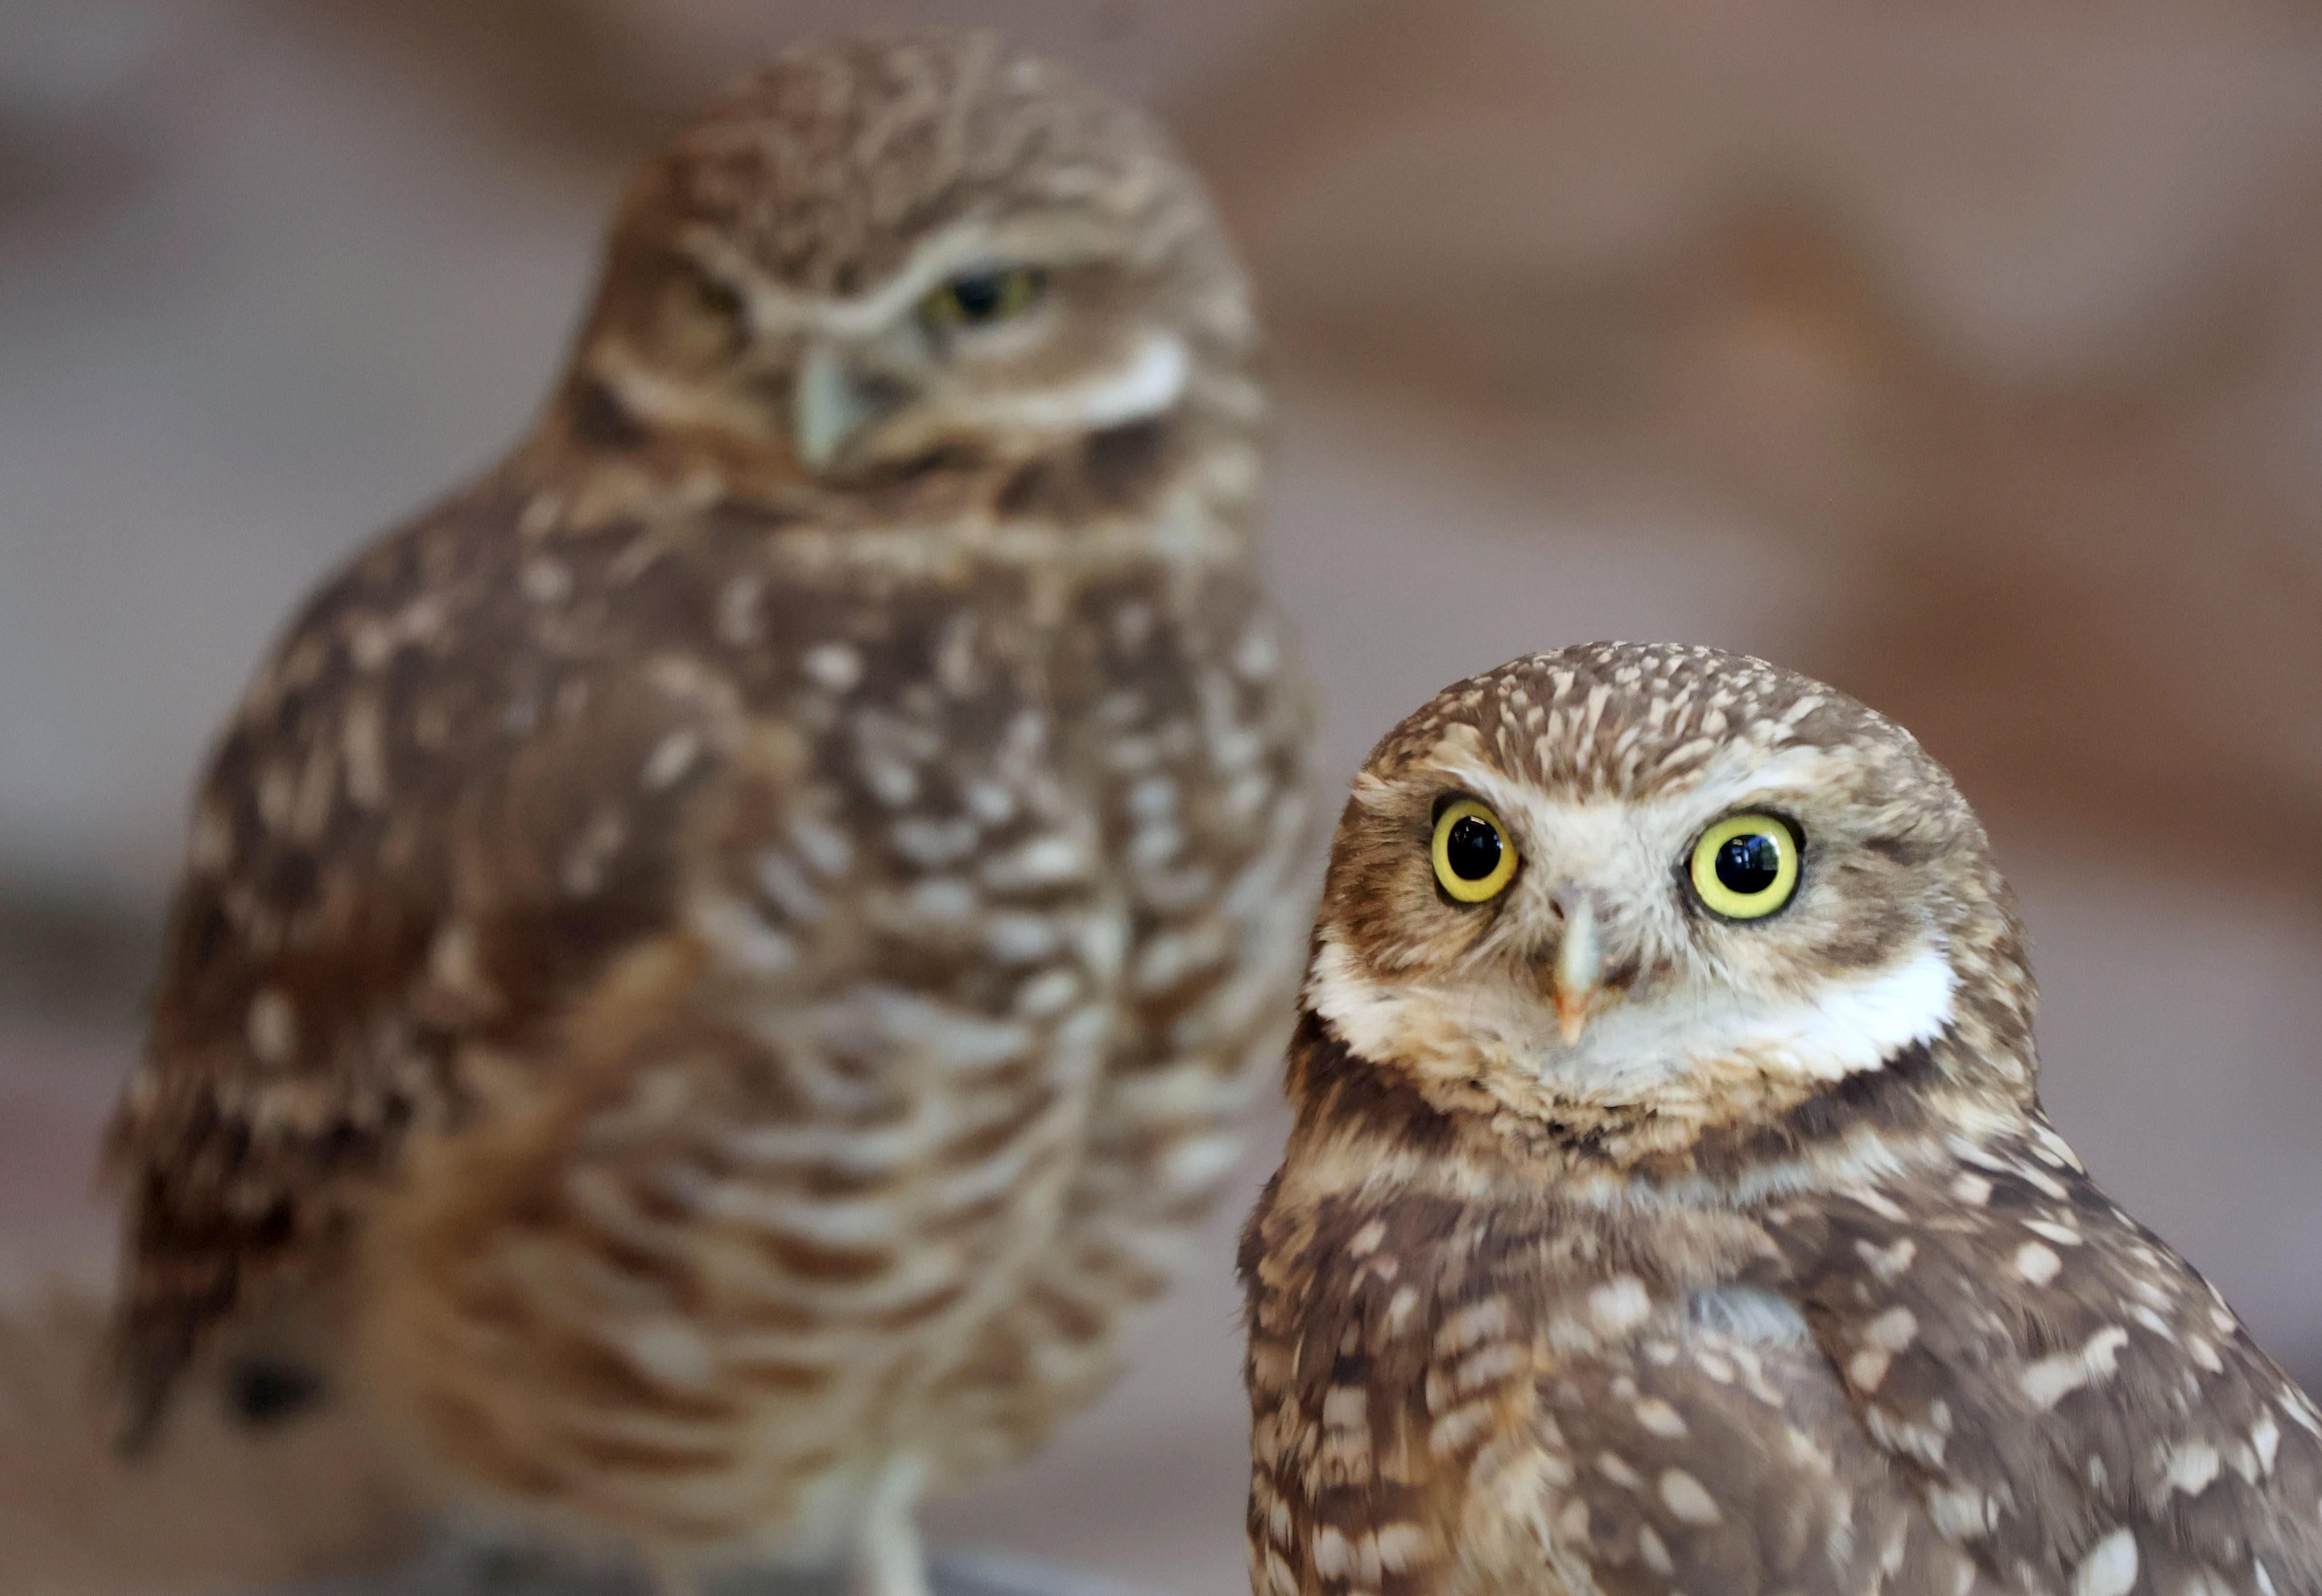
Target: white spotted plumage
point(1753, 1264)
point(720, 964)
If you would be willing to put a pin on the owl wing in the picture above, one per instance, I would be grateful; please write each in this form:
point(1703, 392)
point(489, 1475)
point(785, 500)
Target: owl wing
point(2076, 1405)
point(1207, 809)
point(1203, 726)
point(448, 801)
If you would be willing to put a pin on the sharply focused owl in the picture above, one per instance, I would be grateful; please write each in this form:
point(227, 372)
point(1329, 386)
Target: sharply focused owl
point(1670, 1207)
point(723, 960)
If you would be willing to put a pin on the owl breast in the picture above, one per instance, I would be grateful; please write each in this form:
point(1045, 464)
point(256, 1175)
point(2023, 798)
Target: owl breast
point(974, 934)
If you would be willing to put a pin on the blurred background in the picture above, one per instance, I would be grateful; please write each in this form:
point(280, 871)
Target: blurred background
point(1968, 355)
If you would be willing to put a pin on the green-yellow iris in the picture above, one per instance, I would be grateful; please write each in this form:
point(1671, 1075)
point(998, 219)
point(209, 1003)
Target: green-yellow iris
point(978, 298)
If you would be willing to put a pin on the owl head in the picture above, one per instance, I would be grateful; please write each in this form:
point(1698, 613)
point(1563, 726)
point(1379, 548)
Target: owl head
point(886, 252)
point(1632, 893)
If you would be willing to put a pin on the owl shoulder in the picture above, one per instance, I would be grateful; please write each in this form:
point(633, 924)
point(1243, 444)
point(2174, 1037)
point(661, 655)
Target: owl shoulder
point(2067, 1386)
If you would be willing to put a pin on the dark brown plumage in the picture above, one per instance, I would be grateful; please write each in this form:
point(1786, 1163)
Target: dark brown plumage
point(1767, 1275)
point(715, 966)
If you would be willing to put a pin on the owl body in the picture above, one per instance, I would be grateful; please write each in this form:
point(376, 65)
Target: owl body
point(1626, 1244)
point(721, 962)
point(847, 1131)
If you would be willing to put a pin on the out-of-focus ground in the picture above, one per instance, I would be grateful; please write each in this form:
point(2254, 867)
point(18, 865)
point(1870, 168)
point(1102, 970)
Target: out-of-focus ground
point(1970, 356)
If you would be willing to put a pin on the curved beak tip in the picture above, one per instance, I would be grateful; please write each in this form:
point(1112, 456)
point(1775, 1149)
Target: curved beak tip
point(1572, 1015)
point(1580, 961)
point(830, 409)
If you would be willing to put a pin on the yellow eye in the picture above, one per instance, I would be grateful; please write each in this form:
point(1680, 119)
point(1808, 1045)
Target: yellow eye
point(977, 298)
point(1746, 866)
point(1474, 860)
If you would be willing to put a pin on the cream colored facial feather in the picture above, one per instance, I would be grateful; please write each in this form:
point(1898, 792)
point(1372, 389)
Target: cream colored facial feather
point(1712, 994)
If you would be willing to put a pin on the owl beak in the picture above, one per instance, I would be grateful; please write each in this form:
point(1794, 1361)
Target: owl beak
point(1580, 961)
point(834, 406)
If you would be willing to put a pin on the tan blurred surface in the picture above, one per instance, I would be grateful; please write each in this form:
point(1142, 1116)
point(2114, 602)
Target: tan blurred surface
point(1968, 356)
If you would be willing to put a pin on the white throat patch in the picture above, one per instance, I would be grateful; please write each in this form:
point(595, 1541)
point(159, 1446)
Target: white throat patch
point(1630, 1050)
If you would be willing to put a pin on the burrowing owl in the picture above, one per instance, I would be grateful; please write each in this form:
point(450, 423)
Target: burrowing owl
point(1670, 1206)
point(726, 956)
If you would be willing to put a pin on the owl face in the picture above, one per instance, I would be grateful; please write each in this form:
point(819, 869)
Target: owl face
point(996, 341)
point(880, 255)
point(1658, 879)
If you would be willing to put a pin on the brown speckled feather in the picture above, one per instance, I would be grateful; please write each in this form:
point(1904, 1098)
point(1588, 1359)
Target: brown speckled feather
point(723, 981)
point(1871, 1332)
point(2048, 1375)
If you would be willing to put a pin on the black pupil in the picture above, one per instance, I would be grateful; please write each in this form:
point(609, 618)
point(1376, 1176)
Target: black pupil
point(1749, 864)
point(1473, 848)
point(979, 297)
point(719, 300)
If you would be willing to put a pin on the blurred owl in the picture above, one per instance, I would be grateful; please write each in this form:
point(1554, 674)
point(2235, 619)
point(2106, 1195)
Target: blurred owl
point(1670, 1207)
point(720, 962)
